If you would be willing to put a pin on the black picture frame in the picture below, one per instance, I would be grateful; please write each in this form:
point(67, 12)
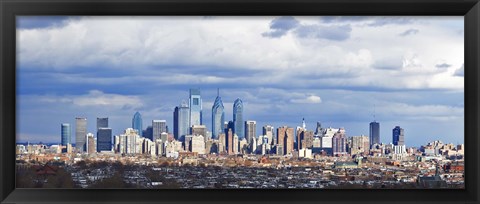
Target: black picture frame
point(470, 9)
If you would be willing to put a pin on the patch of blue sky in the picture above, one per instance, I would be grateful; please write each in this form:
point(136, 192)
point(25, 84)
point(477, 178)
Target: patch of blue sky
point(39, 22)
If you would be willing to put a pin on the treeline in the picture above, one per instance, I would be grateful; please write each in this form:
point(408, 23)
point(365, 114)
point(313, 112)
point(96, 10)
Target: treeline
point(31, 177)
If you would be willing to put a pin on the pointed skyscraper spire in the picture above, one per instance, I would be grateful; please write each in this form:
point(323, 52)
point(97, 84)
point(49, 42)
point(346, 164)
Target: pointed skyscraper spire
point(137, 122)
point(218, 116)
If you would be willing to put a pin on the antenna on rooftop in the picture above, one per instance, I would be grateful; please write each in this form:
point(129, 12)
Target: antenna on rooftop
point(374, 113)
point(218, 91)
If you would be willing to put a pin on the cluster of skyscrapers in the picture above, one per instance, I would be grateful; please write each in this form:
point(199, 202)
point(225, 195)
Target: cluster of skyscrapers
point(232, 137)
point(86, 141)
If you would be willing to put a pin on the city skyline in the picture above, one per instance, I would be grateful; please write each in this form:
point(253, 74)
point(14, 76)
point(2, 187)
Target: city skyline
point(163, 126)
point(277, 86)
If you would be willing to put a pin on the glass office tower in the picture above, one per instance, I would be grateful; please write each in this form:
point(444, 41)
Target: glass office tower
point(238, 118)
point(137, 123)
point(195, 107)
point(66, 134)
point(181, 121)
point(104, 139)
point(218, 116)
point(374, 133)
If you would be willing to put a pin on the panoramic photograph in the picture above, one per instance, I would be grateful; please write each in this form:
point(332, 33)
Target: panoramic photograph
point(229, 102)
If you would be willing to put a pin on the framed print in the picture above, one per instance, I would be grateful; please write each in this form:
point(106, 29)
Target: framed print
point(257, 101)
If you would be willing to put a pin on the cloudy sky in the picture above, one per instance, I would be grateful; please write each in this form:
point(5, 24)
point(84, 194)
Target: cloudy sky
point(408, 71)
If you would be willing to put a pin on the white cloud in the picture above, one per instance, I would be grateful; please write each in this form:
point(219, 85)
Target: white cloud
point(411, 61)
point(221, 43)
point(308, 99)
point(95, 98)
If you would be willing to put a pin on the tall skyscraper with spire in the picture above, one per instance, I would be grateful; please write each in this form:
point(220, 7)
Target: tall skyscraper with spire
point(238, 118)
point(195, 101)
point(218, 116)
point(137, 123)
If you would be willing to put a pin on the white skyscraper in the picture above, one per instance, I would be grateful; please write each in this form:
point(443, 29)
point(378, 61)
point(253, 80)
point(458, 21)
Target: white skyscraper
point(198, 144)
